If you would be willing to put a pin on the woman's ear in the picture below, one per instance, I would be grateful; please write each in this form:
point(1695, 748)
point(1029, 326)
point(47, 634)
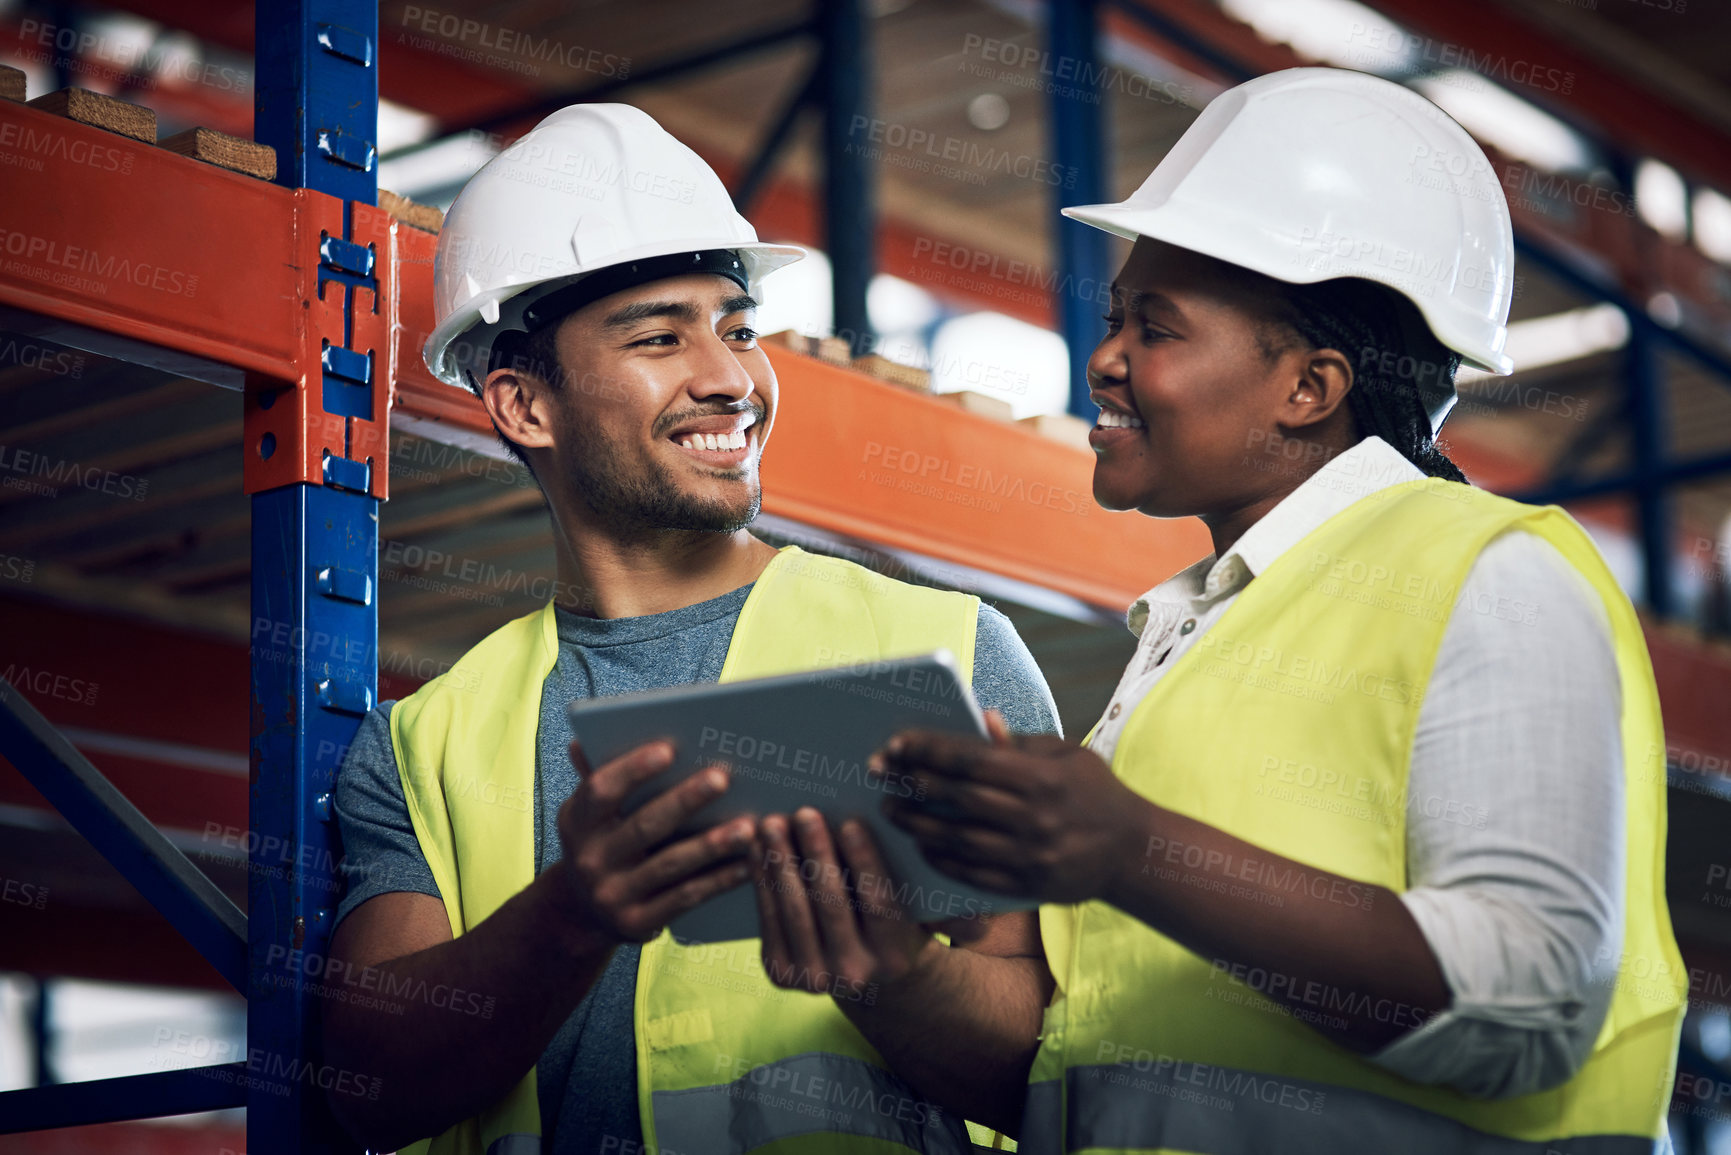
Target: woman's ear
point(1320, 382)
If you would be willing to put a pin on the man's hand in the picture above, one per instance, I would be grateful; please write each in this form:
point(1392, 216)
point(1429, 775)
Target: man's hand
point(623, 884)
point(1025, 815)
point(831, 924)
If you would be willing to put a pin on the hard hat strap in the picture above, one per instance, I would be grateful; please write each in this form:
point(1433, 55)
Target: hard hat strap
point(617, 278)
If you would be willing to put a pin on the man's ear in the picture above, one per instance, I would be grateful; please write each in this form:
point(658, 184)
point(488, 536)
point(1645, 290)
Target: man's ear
point(521, 406)
point(1319, 382)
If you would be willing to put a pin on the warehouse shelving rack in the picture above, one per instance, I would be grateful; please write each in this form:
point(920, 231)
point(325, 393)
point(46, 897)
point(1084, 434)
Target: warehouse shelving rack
point(289, 294)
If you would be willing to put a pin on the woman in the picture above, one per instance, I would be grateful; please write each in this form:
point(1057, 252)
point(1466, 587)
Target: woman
point(1366, 852)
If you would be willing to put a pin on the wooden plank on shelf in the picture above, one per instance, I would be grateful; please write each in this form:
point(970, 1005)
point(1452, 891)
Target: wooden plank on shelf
point(11, 82)
point(99, 111)
point(835, 350)
point(790, 340)
point(979, 404)
point(424, 217)
point(247, 157)
point(882, 368)
point(1062, 427)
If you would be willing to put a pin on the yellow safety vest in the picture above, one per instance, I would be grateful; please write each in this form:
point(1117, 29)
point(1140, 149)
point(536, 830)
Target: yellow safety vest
point(1290, 725)
point(726, 1061)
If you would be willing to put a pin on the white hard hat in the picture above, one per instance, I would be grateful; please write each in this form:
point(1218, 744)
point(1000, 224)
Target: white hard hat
point(1315, 173)
point(592, 187)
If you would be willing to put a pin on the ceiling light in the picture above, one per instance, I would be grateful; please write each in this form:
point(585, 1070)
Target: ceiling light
point(434, 174)
point(988, 112)
point(1665, 308)
point(1713, 224)
point(799, 297)
point(1338, 32)
point(1560, 337)
point(898, 306)
point(1661, 198)
point(1002, 357)
point(401, 126)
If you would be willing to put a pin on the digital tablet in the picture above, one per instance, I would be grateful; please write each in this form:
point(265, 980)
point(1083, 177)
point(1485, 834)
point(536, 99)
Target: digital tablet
point(799, 740)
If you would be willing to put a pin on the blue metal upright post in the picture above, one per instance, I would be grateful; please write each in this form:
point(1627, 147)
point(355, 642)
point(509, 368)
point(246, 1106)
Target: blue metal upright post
point(1646, 392)
point(850, 221)
point(314, 581)
point(1079, 151)
point(316, 96)
point(41, 1030)
point(314, 677)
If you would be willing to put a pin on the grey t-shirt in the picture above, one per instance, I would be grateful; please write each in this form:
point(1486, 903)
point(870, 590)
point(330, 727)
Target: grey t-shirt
point(587, 1077)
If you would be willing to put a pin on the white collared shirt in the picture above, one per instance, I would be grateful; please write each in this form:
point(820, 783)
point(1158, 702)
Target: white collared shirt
point(1515, 795)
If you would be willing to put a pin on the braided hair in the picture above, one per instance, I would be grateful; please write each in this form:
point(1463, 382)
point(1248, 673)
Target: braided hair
point(1391, 348)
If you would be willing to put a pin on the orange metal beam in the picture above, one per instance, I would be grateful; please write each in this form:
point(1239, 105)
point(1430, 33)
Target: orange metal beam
point(1692, 675)
point(875, 461)
point(869, 460)
point(130, 239)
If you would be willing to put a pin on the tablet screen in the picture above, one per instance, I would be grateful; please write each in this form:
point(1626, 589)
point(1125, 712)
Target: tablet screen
point(799, 740)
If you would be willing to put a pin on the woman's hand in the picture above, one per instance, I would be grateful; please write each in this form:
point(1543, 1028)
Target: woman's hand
point(831, 923)
point(1027, 815)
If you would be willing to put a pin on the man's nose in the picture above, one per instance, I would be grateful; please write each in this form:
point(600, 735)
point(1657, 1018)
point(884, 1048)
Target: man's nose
point(717, 371)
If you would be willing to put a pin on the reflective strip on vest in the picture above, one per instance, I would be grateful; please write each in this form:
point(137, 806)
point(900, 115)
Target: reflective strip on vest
point(1043, 1118)
point(1209, 1110)
point(807, 1094)
point(515, 1143)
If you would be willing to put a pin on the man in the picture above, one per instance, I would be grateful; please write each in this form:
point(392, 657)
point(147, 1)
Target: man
point(595, 287)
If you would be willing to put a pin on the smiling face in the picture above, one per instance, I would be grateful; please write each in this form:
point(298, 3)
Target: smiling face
point(662, 412)
point(1191, 377)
